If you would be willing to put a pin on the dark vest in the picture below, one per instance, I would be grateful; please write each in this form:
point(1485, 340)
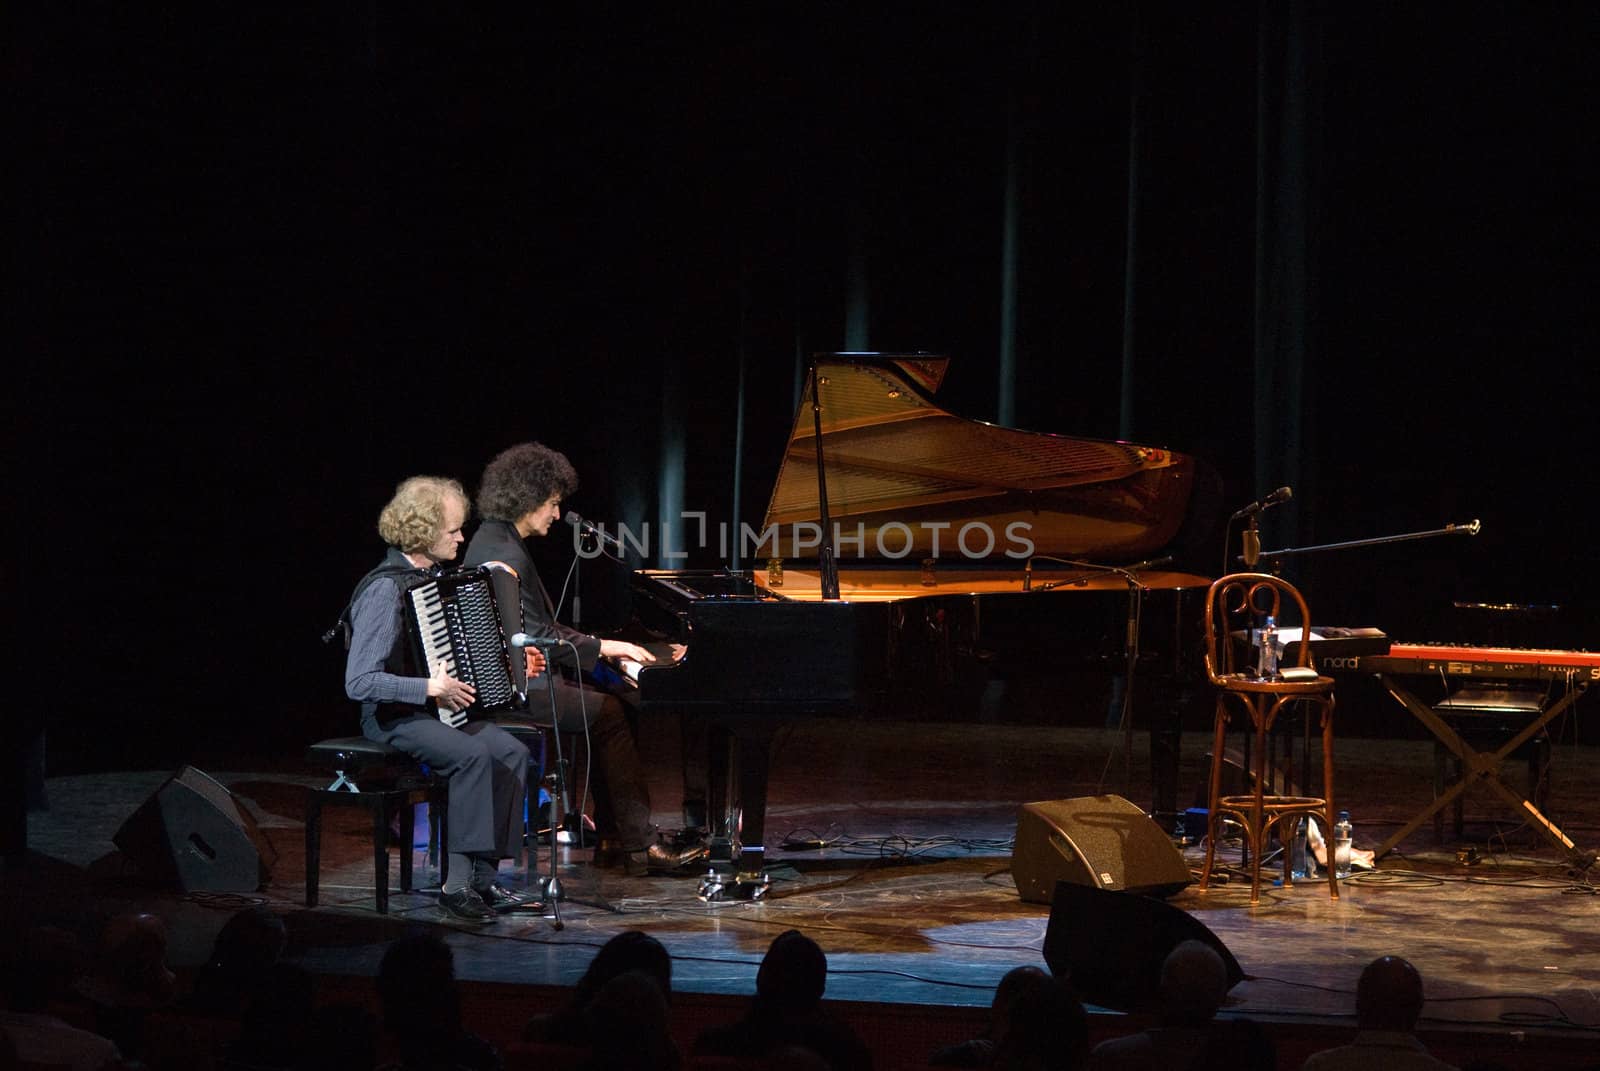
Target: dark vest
point(404, 659)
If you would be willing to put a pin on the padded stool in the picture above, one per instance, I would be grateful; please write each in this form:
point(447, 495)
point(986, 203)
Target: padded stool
point(396, 785)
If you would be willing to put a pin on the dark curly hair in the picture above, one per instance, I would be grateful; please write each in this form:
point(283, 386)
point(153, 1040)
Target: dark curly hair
point(521, 478)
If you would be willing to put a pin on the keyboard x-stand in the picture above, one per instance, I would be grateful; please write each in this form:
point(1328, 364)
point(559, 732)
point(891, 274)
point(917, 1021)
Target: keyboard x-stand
point(1575, 670)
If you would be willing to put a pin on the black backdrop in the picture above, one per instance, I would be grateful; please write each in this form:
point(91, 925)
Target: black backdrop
point(268, 263)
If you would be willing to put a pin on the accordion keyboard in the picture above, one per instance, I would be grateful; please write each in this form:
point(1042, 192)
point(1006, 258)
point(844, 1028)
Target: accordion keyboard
point(457, 625)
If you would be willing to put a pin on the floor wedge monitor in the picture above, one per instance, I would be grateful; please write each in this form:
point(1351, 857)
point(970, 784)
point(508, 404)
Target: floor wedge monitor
point(1101, 841)
point(194, 833)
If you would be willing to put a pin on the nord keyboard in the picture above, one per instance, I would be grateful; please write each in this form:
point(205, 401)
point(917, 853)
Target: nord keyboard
point(1335, 649)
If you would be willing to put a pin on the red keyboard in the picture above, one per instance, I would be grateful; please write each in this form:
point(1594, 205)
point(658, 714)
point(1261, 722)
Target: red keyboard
point(1500, 662)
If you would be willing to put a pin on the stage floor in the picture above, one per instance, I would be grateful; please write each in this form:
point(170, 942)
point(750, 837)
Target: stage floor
point(913, 901)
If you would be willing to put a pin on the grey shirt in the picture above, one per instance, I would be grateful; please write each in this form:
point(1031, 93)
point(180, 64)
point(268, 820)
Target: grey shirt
point(375, 625)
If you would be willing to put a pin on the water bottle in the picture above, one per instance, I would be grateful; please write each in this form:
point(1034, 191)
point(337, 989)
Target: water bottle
point(1342, 832)
point(1267, 657)
point(1298, 857)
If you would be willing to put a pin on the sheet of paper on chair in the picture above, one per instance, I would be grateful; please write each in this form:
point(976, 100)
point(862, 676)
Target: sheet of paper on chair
point(1287, 636)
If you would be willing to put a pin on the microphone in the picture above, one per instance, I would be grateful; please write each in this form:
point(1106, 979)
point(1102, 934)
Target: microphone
point(522, 639)
point(593, 529)
point(1282, 494)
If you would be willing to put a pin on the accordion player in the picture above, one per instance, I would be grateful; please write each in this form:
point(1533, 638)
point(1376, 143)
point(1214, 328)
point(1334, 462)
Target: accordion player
point(462, 622)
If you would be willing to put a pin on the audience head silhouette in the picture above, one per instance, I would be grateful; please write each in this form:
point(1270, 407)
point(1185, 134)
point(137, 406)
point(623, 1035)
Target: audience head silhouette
point(1043, 1026)
point(248, 943)
point(1388, 1005)
point(1389, 995)
point(628, 1024)
point(630, 950)
point(245, 950)
point(788, 1016)
point(132, 968)
point(1017, 981)
point(1194, 982)
point(793, 973)
point(417, 986)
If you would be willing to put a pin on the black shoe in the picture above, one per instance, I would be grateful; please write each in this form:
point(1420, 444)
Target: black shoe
point(497, 897)
point(466, 906)
point(660, 859)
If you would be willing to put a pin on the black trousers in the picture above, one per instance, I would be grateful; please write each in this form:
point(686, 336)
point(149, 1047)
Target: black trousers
point(616, 772)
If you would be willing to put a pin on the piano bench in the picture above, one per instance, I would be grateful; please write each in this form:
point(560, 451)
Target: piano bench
point(396, 783)
point(1486, 718)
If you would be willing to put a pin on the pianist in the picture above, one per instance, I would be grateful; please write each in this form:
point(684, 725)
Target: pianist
point(520, 496)
point(487, 767)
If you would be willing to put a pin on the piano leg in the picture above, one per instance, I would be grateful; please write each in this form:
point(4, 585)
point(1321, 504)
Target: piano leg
point(737, 759)
point(1165, 748)
point(1163, 706)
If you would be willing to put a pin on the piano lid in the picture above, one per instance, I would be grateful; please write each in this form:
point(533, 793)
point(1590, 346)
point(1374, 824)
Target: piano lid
point(902, 473)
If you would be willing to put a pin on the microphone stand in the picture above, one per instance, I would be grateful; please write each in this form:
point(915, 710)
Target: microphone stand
point(829, 565)
point(560, 806)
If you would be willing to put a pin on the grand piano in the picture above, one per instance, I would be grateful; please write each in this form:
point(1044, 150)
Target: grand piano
point(961, 549)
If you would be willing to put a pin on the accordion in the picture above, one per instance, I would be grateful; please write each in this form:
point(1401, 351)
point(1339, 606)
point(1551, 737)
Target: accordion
point(463, 621)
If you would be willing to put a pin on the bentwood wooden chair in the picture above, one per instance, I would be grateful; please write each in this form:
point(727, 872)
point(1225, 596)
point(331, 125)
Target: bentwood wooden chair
point(1235, 604)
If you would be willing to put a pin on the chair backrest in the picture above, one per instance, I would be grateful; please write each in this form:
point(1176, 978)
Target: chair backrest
point(1242, 601)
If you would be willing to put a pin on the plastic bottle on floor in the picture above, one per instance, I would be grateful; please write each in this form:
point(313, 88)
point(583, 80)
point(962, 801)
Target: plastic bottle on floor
point(1298, 856)
point(1343, 833)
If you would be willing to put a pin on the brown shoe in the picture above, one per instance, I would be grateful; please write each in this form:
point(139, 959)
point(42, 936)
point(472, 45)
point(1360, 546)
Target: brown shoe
point(660, 859)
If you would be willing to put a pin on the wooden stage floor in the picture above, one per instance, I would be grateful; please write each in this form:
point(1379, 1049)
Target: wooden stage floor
point(913, 901)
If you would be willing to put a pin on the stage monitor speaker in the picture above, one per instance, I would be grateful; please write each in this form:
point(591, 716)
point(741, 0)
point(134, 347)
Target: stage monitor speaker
point(1110, 945)
point(193, 832)
point(1102, 841)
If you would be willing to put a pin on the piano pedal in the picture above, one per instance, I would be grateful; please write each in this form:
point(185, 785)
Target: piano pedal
point(716, 886)
point(679, 839)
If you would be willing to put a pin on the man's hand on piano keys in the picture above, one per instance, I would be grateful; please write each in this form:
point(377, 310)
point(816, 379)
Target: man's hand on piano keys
point(450, 693)
point(621, 649)
point(630, 658)
point(535, 661)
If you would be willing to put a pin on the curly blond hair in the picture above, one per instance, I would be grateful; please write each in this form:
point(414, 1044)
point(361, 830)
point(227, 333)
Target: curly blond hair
point(414, 518)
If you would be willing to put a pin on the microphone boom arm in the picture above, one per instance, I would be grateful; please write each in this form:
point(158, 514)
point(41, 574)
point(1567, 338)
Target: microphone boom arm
point(1471, 528)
